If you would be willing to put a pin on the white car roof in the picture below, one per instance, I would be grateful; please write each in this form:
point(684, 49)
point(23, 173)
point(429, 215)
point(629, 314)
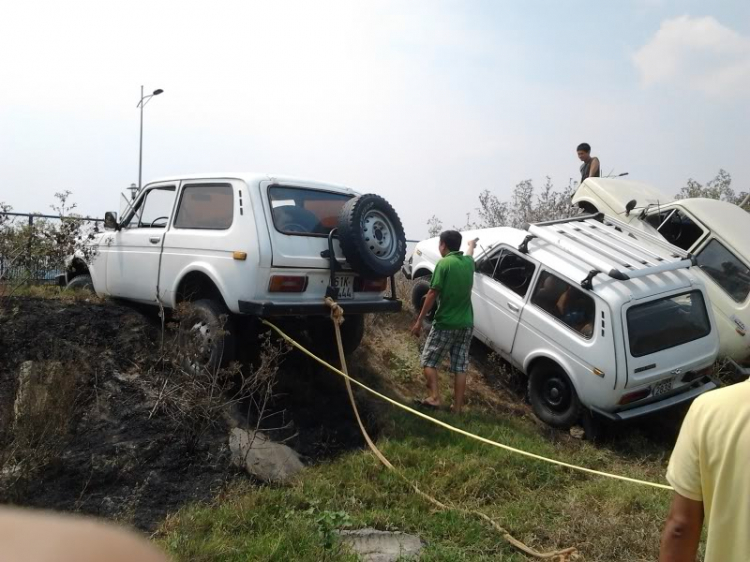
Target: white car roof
point(726, 220)
point(251, 178)
point(573, 268)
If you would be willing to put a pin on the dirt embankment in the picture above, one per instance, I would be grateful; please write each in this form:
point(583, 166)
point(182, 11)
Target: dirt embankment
point(110, 448)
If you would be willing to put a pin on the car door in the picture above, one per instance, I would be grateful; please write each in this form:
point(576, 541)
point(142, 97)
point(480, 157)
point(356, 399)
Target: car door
point(135, 250)
point(499, 294)
point(204, 236)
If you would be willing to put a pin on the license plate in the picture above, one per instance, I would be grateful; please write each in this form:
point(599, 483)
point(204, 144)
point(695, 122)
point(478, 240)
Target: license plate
point(662, 387)
point(345, 285)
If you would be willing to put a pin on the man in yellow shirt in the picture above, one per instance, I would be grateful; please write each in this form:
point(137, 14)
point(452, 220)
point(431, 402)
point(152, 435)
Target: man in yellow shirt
point(709, 473)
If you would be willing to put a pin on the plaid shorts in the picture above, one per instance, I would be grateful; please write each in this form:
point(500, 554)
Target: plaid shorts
point(455, 342)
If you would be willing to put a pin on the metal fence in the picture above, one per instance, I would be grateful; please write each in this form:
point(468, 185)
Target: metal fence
point(27, 252)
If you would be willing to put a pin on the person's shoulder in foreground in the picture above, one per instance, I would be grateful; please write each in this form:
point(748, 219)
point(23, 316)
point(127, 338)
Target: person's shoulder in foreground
point(28, 535)
point(707, 470)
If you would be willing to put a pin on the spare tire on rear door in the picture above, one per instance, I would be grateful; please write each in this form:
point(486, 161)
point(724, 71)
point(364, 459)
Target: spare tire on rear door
point(372, 236)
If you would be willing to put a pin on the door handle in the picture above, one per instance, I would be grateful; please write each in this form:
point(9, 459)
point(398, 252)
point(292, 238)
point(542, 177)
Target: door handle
point(513, 307)
point(155, 239)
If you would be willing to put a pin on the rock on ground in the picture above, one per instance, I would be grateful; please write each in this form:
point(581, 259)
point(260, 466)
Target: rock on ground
point(262, 458)
point(382, 546)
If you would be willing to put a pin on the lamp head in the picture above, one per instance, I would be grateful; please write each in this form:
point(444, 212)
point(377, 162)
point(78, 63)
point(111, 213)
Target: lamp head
point(157, 92)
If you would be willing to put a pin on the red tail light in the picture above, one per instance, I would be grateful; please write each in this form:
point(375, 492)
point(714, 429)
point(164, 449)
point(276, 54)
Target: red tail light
point(370, 285)
point(634, 396)
point(287, 284)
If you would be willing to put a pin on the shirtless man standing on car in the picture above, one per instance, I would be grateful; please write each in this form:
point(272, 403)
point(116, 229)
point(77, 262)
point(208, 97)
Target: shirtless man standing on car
point(453, 325)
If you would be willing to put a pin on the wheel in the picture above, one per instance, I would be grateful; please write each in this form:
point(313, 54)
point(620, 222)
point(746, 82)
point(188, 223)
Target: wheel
point(206, 337)
point(323, 336)
point(552, 396)
point(419, 294)
point(588, 208)
point(81, 283)
point(372, 236)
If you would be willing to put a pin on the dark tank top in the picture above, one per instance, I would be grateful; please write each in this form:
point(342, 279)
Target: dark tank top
point(586, 167)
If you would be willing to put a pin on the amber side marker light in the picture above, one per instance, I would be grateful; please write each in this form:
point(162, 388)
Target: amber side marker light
point(287, 284)
point(241, 256)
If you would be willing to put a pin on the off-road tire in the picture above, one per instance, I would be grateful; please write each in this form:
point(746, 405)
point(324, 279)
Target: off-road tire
point(553, 397)
point(418, 294)
point(323, 335)
point(372, 236)
point(215, 325)
point(81, 283)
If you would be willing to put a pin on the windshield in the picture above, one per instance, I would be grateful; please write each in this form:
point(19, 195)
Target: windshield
point(305, 211)
point(726, 269)
point(667, 322)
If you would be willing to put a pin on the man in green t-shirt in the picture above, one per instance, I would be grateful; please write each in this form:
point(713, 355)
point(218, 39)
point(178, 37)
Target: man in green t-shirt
point(453, 325)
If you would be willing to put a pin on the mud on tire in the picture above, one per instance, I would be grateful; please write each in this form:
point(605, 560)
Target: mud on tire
point(372, 236)
point(81, 283)
point(206, 337)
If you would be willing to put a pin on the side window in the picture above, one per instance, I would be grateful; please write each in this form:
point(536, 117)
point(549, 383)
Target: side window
point(206, 207)
point(154, 209)
point(680, 230)
point(655, 219)
point(510, 270)
point(570, 305)
point(726, 269)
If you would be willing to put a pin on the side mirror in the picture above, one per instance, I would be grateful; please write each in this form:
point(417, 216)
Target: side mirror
point(110, 221)
point(630, 206)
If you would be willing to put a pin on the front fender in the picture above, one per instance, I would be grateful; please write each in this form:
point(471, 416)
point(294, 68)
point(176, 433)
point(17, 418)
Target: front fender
point(419, 268)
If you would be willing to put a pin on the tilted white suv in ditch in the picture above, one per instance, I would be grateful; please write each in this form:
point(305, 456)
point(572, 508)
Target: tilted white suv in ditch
point(594, 318)
point(250, 246)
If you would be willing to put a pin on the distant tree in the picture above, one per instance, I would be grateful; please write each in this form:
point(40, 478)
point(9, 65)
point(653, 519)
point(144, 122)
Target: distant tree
point(720, 187)
point(525, 206)
point(434, 226)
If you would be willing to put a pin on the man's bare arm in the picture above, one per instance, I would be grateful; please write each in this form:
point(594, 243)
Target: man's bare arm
point(682, 533)
point(429, 302)
point(594, 170)
point(472, 246)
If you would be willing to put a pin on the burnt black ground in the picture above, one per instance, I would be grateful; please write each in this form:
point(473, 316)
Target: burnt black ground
point(123, 460)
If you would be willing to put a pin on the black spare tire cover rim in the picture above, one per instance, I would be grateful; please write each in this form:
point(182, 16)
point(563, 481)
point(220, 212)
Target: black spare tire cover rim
point(372, 237)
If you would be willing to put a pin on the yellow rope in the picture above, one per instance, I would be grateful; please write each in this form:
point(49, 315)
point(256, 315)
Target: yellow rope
point(565, 555)
point(458, 430)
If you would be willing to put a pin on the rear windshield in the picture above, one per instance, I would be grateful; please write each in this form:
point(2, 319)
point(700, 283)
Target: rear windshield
point(723, 267)
point(305, 211)
point(668, 322)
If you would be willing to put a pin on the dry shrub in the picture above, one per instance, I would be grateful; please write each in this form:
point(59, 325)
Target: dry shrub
point(200, 400)
point(44, 407)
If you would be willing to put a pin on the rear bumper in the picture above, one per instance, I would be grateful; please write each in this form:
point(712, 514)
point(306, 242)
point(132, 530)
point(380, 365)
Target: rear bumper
point(255, 308)
point(658, 405)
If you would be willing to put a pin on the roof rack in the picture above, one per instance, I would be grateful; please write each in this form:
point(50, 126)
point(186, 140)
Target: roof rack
point(609, 246)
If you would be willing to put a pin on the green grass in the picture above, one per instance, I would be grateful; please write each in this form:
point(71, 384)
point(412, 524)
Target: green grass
point(544, 506)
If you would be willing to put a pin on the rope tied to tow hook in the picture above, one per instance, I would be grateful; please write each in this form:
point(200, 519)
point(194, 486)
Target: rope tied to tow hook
point(565, 555)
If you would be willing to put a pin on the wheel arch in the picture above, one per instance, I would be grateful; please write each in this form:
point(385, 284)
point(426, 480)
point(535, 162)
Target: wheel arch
point(553, 360)
point(197, 283)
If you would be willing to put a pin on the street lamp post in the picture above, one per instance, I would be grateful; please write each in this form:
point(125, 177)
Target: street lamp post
point(141, 104)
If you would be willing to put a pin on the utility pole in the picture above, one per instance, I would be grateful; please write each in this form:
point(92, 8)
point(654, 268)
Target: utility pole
point(142, 104)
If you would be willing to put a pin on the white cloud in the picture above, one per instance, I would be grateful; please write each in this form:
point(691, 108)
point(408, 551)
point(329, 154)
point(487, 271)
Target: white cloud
point(698, 53)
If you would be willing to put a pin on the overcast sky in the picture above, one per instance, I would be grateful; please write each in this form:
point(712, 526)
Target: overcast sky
point(425, 102)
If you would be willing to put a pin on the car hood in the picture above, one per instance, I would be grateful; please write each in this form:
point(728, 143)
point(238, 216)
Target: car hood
point(617, 193)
